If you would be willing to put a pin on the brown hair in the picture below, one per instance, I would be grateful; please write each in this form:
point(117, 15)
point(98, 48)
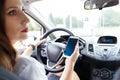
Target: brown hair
point(7, 52)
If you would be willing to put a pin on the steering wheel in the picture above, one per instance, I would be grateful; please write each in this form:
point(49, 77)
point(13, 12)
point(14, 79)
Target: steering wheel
point(50, 52)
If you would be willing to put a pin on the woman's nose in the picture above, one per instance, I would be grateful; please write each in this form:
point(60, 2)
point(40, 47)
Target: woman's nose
point(25, 18)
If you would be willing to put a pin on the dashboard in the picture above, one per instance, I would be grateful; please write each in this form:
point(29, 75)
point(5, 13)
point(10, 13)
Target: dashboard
point(100, 57)
point(105, 48)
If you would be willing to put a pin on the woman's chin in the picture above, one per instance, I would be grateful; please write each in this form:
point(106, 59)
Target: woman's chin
point(24, 37)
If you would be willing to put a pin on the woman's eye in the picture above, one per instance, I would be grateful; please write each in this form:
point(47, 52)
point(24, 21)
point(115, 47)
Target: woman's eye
point(12, 13)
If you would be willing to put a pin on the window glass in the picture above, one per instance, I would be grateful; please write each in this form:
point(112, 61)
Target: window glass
point(72, 15)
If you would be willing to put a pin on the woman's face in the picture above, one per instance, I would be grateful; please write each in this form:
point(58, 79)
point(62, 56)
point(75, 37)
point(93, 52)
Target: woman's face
point(15, 21)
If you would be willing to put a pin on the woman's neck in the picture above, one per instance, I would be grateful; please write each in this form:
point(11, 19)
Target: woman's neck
point(13, 42)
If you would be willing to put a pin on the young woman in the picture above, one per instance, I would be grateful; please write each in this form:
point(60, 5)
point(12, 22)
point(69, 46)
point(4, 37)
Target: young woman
point(13, 27)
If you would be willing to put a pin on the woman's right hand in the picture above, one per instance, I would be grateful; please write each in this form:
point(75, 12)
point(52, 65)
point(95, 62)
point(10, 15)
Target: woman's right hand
point(69, 66)
point(72, 59)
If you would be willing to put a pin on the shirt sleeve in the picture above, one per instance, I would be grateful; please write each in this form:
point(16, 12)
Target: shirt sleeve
point(27, 68)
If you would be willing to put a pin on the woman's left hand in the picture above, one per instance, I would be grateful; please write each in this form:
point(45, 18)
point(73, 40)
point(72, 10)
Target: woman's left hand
point(38, 42)
point(29, 50)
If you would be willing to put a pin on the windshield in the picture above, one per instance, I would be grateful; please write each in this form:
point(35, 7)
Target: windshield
point(71, 14)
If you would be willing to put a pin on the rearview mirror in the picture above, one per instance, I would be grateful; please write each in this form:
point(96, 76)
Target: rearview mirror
point(99, 4)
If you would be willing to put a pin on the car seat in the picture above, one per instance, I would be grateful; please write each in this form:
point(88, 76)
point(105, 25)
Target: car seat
point(7, 75)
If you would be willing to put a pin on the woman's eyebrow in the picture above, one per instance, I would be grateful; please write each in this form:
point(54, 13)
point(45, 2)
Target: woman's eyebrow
point(12, 7)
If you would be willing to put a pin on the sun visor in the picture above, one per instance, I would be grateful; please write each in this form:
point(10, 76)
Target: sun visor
point(27, 2)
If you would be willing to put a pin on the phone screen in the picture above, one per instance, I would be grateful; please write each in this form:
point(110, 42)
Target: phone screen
point(70, 46)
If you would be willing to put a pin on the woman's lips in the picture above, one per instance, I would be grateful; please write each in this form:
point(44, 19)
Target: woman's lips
point(25, 30)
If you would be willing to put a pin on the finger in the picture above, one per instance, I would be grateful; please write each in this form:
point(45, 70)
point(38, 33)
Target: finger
point(38, 42)
point(41, 41)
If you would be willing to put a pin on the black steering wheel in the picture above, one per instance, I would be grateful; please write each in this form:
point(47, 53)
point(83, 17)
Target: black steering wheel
point(50, 52)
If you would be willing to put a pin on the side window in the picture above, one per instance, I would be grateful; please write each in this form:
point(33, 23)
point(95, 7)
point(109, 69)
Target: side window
point(35, 29)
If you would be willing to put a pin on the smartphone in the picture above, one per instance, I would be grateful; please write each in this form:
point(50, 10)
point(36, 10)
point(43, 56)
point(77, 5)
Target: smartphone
point(72, 41)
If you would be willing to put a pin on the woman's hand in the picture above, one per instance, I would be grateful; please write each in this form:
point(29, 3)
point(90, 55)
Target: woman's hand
point(72, 59)
point(29, 50)
point(69, 66)
point(38, 42)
